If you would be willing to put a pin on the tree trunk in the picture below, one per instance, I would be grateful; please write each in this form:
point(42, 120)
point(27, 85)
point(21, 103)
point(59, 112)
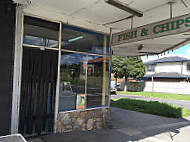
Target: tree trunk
point(125, 86)
point(115, 83)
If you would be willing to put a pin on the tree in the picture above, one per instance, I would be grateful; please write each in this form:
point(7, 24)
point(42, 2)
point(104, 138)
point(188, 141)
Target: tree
point(115, 68)
point(127, 67)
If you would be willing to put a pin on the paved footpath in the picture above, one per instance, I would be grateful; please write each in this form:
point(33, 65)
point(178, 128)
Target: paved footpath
point(129, 126)
point(180, 103)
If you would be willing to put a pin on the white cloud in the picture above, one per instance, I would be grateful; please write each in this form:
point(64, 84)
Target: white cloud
point(188, 51)
point(150, 57)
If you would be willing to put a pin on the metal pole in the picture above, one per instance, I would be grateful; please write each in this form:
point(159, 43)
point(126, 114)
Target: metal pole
point(104, 72)
point(171, 10)
point(86, 81)
point(58, 79)
point(110, 59)
point(17, 69)
point(131, 22)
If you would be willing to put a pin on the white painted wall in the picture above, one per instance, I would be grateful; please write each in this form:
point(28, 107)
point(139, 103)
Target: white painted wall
point(168, 87)
point(169, 67)
point(149, 72)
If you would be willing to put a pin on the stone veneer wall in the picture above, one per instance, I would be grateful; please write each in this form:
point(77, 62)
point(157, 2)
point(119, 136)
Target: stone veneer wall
point(83, 120)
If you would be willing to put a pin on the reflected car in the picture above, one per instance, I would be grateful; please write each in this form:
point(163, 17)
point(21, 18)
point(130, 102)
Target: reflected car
point(118, 87)
point(113, 89)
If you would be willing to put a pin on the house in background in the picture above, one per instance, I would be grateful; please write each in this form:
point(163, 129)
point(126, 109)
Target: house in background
point(168, 75)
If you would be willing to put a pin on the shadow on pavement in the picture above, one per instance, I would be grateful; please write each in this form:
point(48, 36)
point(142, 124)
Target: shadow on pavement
point(136, 125)
point(125, 126)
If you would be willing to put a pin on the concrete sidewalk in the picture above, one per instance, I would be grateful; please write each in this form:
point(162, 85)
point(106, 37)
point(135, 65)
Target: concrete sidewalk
point(129, 126)
point(179, 103)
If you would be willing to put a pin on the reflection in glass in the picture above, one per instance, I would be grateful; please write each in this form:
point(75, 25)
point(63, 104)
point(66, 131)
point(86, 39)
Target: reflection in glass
point(96, 80)
point(107, 81)
point(40, 32)
point(72, 80)
point(82, 40)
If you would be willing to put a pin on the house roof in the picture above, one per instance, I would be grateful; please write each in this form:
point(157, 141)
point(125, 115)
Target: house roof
point(166, 75)
point(99, 59)
point(167, 59)
point(96, 60)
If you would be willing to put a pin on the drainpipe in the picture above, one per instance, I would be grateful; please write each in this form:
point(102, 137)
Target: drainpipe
point(152, 85)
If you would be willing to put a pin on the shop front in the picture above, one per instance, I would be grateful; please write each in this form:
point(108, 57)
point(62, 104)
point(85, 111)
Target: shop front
point(65, 75)
point(58, 71)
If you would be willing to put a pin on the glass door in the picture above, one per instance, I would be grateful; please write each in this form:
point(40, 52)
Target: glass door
point(39, 77)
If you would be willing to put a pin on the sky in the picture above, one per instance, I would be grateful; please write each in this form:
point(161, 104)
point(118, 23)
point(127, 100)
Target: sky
point(182, 51)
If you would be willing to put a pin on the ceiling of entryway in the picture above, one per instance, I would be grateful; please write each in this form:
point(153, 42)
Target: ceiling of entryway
point(100, 12)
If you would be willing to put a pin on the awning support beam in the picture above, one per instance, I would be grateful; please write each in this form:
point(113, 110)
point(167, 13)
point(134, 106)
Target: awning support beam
point(125, 7)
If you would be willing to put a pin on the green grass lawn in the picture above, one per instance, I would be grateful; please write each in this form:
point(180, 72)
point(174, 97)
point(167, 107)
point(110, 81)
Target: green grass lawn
point(157, 95)
point(155, 108)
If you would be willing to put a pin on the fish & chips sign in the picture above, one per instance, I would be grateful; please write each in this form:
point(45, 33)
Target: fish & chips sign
point(163, 28)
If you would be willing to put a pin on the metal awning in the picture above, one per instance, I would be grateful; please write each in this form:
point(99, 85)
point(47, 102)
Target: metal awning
point(100, 16)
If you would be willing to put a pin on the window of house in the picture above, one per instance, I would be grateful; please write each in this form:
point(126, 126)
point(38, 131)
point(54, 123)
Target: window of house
point(188, 66)
point(150, 68)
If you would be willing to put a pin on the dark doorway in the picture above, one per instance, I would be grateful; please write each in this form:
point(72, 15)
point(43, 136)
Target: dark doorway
point(7, 35)
point(38, 89)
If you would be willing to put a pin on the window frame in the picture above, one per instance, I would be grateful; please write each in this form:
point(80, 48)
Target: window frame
point(92, 33)
point(107, 57)
point(188, 66)
point(150, 68)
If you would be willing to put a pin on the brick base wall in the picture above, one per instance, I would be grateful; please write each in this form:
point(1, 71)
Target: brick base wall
point(83, 120)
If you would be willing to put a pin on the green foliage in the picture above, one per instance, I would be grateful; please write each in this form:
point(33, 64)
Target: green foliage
point(158, 95)
point(155, 108)
point(115, 68)
point(129, 67)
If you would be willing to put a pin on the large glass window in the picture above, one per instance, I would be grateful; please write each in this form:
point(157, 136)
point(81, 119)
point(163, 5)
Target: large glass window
point(84, 41)
point(40, 32)
point(83, 81)
point(95, 78)
point(72, 79)
point(83, 77)
point(84, 65)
